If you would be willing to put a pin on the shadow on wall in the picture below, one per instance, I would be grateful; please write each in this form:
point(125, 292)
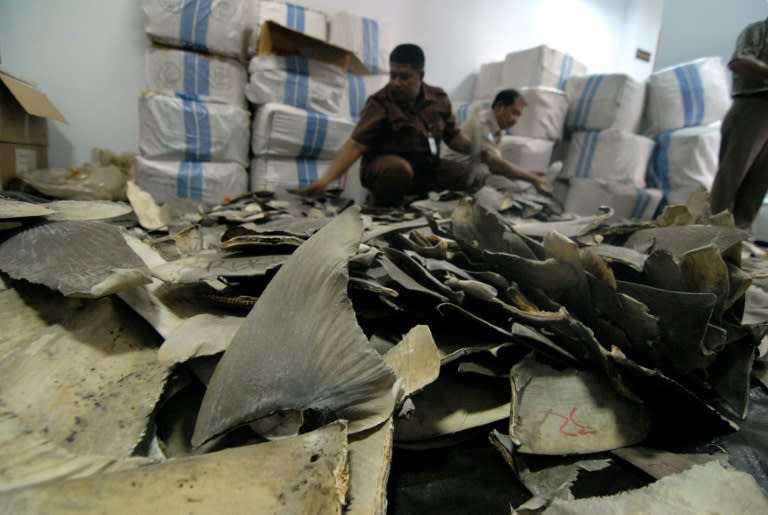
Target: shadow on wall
point(60, 148)
point(465, 89)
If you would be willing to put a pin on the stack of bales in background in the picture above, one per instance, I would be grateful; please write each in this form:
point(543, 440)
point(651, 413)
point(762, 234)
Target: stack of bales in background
point(304, 113)
point(539, 74)
point(606, 158)
point(371, 41)
point(193, 122)
point(685, 106)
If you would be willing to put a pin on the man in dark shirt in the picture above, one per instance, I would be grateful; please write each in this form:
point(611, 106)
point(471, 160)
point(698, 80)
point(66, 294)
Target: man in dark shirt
point(398, 137)
point(742, 177)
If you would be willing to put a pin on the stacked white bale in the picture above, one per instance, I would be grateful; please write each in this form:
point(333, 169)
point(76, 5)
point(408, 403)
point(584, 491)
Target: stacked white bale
point(175, 128)
point(298, 81)
point(527, 153)
point(606, 160)
point(690, 94)
point(285, 131)
point(194, 128)
point(685, 106)
point(195, 75)
point(684, 160)
point(489, 80)
point(608, 101)
point(626, 200)
point(544, 113)
point(539, 66)
point(612, 155)
point(370, 40)
point(298, 130)
point(760, 225)
point(296, 17)
point(279, 173)
point(463, 110)
point(208, 182)
point(210, 26)
point(359, 88)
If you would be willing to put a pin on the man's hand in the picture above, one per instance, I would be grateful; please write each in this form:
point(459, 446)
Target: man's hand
point(314, 189)
point(540, 182)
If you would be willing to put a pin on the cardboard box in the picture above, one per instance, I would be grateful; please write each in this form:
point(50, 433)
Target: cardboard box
point(23, 110)
point(277, 39)
point(15, 158)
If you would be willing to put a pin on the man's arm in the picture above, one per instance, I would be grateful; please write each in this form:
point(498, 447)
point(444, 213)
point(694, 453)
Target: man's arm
point(497, 164)
point(749, 68)
point(349, 152)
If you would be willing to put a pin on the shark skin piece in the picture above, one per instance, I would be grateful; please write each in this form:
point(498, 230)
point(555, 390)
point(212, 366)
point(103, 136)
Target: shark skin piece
point(678, 240)
point(370, 458)
point(210, 265)
point(415, 361)
point(80, 259)
point(305, 474)
point(570, 412)
point(93, 210)
point(478, 227)
point(300, 349)
point(90, 382)
point(708, 488)
point(452, 404)
point(28, 458)
point(13, 209)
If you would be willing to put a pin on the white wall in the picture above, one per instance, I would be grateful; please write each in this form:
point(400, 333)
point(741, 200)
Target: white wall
point(642, 23)
point(88, 54)
point(88, 57)
point(703, 28)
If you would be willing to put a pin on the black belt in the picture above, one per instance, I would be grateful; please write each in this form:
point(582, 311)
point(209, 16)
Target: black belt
point(762, 95)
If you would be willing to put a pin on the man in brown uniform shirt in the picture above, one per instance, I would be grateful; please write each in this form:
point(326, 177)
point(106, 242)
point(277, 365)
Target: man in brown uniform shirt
point(398, 136)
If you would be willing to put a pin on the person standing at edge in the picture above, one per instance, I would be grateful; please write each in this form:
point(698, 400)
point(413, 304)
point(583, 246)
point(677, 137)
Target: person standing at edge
point(488, 126)
point(398, 136)
point(742, 176)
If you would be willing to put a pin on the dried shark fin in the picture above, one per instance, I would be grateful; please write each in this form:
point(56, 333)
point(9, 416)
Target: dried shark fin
point(300, 349)
point(80, 259)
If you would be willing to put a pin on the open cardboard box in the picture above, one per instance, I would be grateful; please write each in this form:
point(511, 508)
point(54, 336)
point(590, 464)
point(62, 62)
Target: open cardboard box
point(24, 111)
point(278, 39)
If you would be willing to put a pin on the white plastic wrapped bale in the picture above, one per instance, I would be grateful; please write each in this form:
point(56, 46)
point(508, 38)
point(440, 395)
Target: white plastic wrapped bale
point(297, 81)
point(275, 173)
point(370, 40)
point(760, 226)
point(359, 88)
point(301, 19)
point(585, 196)
point(611, 154)
point(539, 66)
point(610, 101)
point(196, 75)
point(211, 183)
point(177, 128)
point(683, 161)
point(286, 131)
point(544, 114)
point(463, 110)
point(488, 80)
point(687, 95)
point(531, 154)
point(213, 26)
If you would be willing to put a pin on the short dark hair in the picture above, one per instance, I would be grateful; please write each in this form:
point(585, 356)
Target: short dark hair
point(507, 97)
point(409, 54)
